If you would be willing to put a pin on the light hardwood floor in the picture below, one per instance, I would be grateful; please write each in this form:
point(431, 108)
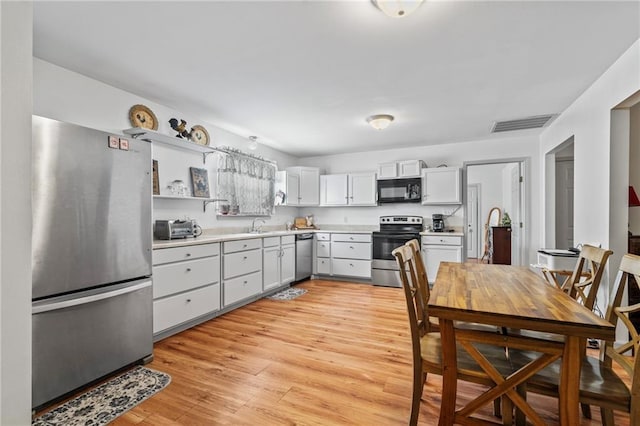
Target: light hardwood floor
point(338, 355)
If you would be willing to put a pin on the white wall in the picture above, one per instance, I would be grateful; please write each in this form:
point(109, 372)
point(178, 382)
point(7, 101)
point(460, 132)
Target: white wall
point(601, 178)
point(15, 212)
point(455, 154)
point(68, 96)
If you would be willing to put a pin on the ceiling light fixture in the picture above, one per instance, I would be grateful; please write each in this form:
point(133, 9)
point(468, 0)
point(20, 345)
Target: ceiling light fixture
point(397, 8)
point(380, 121)
point(253, 142)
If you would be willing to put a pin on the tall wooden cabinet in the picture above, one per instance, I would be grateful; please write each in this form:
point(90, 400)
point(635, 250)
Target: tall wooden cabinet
point(501, 243)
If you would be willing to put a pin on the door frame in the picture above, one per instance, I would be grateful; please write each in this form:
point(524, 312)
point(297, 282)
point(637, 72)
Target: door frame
point(476, 240)
point(525, 205)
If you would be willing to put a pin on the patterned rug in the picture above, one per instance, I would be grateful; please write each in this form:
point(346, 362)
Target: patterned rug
point(288, 294)
point(101, 405)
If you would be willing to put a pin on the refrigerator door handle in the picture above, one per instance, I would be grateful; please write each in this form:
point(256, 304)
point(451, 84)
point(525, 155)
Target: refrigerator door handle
point(89, 299)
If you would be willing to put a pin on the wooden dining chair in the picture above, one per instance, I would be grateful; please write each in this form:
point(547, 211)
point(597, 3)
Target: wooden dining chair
point(582, 284)
point(426, 345)
point(600, 384)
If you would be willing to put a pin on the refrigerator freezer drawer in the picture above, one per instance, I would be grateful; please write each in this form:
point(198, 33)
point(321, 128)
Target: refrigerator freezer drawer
point(76, 341)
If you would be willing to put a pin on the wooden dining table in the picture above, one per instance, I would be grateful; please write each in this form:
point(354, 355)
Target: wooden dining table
point(510, 298)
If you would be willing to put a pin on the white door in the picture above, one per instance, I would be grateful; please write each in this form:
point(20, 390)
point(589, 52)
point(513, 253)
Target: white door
point(564, 204)
point(362, 189)
point(516, 215)
point(333, 190)
point(287, 264)
point(271, 267)
point(473, 231)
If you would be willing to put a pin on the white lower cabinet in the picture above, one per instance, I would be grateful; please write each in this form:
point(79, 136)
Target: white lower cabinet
point(436, 249)
point(351, 268)
point(343, 254)
point(186, 285)
point(182, 307)
point(241, 270)
point(237, 289)
point(279, 261)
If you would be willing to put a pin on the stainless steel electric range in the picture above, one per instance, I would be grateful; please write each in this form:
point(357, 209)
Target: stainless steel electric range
point(394, 232)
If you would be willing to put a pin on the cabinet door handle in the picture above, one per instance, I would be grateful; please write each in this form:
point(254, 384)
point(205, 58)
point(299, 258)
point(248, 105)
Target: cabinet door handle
point(188, 269)
point(351, 238)
point(351, 264)
point(244, 258)
point(351, 247)
point(188, 300)
point(187, 255)
point(245, 283)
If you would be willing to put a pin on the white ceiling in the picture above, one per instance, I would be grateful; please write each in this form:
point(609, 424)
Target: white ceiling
point(304, 75)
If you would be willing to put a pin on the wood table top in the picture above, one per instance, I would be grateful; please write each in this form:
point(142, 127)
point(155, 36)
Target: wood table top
point(511, 296)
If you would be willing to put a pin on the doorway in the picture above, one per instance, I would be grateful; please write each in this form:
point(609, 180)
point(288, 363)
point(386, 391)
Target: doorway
point(490, 185)
point(560, 196)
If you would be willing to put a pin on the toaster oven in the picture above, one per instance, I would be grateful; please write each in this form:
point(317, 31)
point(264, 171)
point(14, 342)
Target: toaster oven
point(172, 229)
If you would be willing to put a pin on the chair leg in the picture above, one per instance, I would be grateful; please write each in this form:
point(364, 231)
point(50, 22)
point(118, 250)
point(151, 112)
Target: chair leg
point(418, 383)
point(521, 419)
point(507, 411)
point(586, 410)
point(607, 416)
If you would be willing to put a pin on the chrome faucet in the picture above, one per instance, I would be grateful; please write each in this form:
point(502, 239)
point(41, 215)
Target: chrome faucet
point(254, 228)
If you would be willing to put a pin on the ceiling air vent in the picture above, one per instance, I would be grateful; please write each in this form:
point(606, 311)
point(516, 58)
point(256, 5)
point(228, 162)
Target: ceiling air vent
point(521, 123)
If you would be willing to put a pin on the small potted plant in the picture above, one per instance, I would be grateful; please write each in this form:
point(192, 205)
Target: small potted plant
point(506, 220)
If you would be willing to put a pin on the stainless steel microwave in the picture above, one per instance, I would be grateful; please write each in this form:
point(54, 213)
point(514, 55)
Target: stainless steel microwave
point(399, 190)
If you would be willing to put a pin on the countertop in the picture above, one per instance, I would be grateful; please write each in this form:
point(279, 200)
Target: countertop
point(208, 237)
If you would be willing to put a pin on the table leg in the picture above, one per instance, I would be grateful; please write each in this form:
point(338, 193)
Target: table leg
point(449, 373)
point(569, 400)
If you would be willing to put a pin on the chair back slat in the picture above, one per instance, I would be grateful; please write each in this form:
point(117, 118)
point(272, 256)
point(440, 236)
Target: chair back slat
point(586, 290)
point(619, 315)
point(415, 309)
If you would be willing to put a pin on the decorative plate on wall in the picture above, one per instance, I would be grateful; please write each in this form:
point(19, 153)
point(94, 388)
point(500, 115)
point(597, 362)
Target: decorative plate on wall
point(142, 116)
point(199, 135)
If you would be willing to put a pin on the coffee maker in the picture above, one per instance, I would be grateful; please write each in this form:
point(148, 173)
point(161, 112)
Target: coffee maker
point(438, 223)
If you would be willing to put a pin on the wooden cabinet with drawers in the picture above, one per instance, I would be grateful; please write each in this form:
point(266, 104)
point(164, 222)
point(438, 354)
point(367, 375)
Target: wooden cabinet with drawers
point(501, 244)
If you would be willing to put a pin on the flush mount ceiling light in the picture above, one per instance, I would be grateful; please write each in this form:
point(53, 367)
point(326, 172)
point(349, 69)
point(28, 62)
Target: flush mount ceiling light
point(397, 8)
point(380, 121)
point(253, 142)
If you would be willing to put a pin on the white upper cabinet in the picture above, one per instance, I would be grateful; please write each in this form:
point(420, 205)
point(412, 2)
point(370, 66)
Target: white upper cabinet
point(357, 189)
point(309, 185)
point(388, 170)
point(334, 190)
point(410, 168)
point(362, 189)
point(300, 185)
point(441, 185)
point(400, 169)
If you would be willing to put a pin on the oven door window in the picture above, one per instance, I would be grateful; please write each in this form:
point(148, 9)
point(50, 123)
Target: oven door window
point(383, 245)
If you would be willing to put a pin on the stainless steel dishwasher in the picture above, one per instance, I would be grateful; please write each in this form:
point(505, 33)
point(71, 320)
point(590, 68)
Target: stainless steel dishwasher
point(304, 256)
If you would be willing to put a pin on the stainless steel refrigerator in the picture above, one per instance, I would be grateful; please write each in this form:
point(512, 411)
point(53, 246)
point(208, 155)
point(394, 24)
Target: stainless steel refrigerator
point(92, 236)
